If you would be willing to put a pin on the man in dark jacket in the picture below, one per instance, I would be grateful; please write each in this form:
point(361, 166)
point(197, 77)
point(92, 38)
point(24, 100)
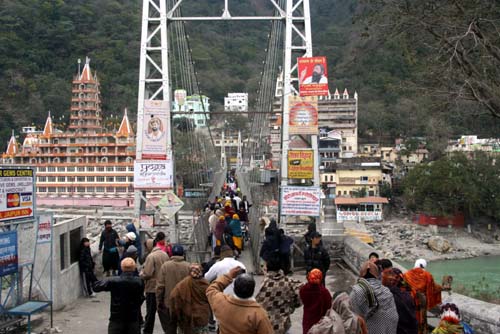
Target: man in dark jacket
point(107, 244)
point(316, 256)
point(127, 295)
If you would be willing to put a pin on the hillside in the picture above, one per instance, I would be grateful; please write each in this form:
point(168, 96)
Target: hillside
point(40, 41)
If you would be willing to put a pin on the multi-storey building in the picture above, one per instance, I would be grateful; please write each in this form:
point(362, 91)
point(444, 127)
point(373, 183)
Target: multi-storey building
point(86, 160)
point(195, 107)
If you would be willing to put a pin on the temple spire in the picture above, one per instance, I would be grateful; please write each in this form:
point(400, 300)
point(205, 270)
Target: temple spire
point(48, 129)
point(12, 148)
point(125, 129)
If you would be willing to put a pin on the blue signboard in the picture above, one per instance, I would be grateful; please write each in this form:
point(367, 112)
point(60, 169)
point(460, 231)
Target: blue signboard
point(8, 253)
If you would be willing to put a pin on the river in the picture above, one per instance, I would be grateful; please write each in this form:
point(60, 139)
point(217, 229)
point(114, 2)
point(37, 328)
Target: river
point(476, 277)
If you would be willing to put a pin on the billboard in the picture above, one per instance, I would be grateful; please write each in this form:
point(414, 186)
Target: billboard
point(180, 97)
point(156, 130)
point(8, 253)
point(313, 76)
point(303, 115)
point(153, 174)
point(300, 164)
point(300, 201)
point(16, 193)
point(170, 204)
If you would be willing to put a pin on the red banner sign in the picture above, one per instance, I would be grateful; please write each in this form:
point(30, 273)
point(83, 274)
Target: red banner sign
point(313, 77)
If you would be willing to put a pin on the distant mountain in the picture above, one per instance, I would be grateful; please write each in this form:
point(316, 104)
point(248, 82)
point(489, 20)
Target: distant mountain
point(40, 42)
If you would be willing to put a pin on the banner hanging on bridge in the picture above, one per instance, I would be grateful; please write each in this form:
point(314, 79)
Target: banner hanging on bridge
point(300, 164)
point(153, 174)
point(17, 191)
point(313, 76)
point(303, 115)
point(300, 201)
point(156, 130)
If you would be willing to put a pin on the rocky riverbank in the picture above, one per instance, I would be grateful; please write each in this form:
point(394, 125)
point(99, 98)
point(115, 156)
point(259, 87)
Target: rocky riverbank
point(401, 239)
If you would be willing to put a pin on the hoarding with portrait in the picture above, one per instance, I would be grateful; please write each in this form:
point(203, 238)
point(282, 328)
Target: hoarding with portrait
point(313, 76)
point(156, 130)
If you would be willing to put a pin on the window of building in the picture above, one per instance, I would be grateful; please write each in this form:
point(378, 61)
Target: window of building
point(61, 169)
point(80, 178)
point(331, 178)
point(90, 189)
point(121, 169)
point(71, 179)
point(70, 169)
point(42, 169)
point(90, 179)
point(71, 189)
point(42, 179)
point(74, 244)
point(364, 178)
point(99, 189)
point(62, 251)
point(339, 193)
point(99, 178)
point(51, 189)
point(110, 169)
point(100, 169)
point(80, 189)
point(81, 169)
point(130, 169)
point(110, 179)
point(61, 189)
point(345, 192)
point(121, 189)
point(371, 193)
point(51, 179)
point(51, 169)
point(90, 169)
point(110, 190)
point(343, 148)
point(61, 179)
point(42, 189)
point(121, 179)
point(130, 179)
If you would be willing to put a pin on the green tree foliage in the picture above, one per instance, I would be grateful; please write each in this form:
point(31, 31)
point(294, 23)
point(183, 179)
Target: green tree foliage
point(455, 184)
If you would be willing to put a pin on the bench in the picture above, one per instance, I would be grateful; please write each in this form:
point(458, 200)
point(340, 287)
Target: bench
point(28, 309)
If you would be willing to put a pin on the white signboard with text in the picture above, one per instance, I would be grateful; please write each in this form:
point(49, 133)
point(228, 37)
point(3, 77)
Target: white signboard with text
point(153, 174)
point(44, 229)
point(300, 201)
point(358, 215)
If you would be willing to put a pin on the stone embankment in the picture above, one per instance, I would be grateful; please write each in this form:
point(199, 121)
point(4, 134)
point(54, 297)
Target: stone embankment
point(398, 238)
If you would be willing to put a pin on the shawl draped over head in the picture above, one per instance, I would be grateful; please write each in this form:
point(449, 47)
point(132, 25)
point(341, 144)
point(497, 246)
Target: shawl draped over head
point(353, 324)
point(315, 276)
point(423, 282)
point(369, 267)
point(188, 301)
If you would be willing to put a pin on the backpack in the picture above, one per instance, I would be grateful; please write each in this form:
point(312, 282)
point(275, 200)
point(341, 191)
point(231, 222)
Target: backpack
point(331, 323)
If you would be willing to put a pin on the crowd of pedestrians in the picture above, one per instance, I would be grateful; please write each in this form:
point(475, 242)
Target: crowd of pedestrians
point(219, 295)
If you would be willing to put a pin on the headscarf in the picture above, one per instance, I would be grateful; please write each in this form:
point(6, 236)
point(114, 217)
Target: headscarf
point(195, 271)
point(342, 305)
point(315, 276)
point(420, 263)
point(369, 267)
point(235, 216)
point(392, 277)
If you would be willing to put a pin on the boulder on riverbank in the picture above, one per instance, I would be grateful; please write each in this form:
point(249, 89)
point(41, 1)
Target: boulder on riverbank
point(439, 244)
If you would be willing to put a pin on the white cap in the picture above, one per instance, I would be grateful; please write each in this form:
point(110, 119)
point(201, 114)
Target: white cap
point(131, 236)
point(420, 263)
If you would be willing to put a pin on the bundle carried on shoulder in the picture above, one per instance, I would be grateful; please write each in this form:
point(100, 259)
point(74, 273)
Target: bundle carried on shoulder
point(331, 323)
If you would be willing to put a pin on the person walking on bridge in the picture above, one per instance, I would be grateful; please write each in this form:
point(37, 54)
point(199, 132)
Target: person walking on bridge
point(316, 256)
point(171, 273)
point(127, 296)
point(316, 299)
point(235, 226)
point(108, 246)
point(279, 296)
point(150, 273)
point(238, 314)
point(223, 266)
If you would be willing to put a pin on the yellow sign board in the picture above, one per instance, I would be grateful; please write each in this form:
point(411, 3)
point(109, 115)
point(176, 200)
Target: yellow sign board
point(300, 164)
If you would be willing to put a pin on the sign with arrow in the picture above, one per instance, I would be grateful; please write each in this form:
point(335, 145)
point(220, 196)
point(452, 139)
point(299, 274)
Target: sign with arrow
point(170, 204)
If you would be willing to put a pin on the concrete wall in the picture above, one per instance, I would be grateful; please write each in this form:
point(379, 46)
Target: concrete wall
point(66, 282)
point(483, 317)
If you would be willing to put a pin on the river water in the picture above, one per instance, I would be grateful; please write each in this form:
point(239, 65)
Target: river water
point(477, 277)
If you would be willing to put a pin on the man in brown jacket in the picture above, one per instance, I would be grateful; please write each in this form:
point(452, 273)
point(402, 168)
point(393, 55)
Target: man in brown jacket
point(240, 314)
point(171, 273)
point(154, 261)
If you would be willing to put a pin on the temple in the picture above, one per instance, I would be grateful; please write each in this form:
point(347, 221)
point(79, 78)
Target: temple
point(88, 159)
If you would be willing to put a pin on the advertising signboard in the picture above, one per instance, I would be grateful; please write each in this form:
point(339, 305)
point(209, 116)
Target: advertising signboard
point(153, 174)
point(170, 204)
point(17, 193)
point(8, 253)
point(156, 130)
point(300, 164)
point(300, 201)
point(313, 76)
point(303, 115)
